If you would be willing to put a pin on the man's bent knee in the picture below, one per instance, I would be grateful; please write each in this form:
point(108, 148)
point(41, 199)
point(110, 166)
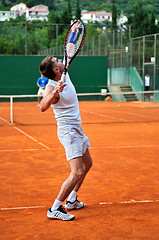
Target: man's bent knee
point(77, 175)
point(87, 160)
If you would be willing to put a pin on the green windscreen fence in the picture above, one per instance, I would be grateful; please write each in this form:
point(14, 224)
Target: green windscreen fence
point(20, 73)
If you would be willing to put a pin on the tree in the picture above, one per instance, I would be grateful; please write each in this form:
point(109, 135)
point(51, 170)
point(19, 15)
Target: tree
point(153, 28)
point(69, 10)
point(78, 11)
point(50, 5)
point(114, 17)
point(138, 20)
point(66, 15)
point(53, 19)
point(142, 22)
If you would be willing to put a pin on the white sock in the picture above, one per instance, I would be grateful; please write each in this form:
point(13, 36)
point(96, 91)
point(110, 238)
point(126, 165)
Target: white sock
point(72, 196)
point(56, 204)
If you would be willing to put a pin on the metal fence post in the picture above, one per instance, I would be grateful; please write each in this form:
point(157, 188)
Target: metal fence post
point(113, 46)
point(57, 52)
point(11, 109)
point(106, 45)
point(154, 87)
point(99, 44)
point(88, 39)
point(121, 31)
point(143, 68)
point(93, 46)
point(26, 39)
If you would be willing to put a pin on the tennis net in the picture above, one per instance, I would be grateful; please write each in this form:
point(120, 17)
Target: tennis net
point(95, 108)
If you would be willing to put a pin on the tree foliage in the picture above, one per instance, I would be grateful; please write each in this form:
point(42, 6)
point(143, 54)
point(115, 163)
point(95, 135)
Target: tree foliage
point(142, 22)
point(59, 5)
point(114, 17)
point(69, 10)
point(43, 35)
point(78, 11)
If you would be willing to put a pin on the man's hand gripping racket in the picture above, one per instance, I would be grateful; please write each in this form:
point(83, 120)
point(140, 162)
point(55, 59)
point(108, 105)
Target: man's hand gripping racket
point(73, 43)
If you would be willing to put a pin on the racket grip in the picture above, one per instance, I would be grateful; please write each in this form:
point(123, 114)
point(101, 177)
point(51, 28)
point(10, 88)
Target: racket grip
point(63, 77)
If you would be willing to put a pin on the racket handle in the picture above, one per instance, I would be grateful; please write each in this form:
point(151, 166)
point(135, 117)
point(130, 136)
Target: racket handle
point(63, 77)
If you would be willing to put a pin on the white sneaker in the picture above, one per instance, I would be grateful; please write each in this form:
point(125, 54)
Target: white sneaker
point(73, 205)
point(59, 214)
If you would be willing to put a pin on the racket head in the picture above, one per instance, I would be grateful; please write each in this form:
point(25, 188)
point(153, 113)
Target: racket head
point(73, 48)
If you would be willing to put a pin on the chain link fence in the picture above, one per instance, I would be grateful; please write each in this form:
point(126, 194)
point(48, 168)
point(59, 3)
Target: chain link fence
point(44, 38)
point(145, 57)
point(121, 51)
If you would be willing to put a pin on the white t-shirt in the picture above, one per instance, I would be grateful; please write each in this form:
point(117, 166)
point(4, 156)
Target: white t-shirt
point(66, 110)
point(147, 81)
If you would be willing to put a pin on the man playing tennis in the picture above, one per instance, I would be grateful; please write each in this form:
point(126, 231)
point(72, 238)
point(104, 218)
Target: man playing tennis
point(62, 98)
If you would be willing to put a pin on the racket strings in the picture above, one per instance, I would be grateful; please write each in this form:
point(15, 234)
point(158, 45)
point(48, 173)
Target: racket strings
point(72, 48)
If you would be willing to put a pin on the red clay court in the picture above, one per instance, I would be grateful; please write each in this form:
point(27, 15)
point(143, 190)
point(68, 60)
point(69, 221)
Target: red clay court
point(121, 192)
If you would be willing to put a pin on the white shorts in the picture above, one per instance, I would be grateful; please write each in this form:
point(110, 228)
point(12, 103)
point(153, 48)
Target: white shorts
point(73, 140)
point(41, 92)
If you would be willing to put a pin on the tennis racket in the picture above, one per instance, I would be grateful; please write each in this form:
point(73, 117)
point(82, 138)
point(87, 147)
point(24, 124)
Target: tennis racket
point(73, 43)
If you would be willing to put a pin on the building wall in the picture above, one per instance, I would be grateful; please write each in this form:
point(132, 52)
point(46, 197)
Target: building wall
point(93, 16)
point(19, 7)
point(7, 15)
point(38, 12)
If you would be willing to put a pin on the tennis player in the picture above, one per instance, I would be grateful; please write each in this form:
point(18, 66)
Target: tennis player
point(41, 83)
point(62, 98)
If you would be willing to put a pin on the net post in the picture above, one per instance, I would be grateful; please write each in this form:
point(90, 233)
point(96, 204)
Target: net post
point(11, 109)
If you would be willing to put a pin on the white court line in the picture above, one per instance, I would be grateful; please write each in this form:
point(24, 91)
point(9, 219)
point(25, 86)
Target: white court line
point(149, 106)
point(60, 148)
point(129, 202)
point(132, 201)
point(21, 150)
point(20, 208)
point(133, 146)
point(32, 138)
point(31, 149)
point(25, 134)
point(130, 113)
point(122, 119)
point(133, 114)
point(102, 115)
point(5, 120)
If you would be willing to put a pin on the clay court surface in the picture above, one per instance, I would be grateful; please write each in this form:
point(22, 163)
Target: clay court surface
point(121, 192)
